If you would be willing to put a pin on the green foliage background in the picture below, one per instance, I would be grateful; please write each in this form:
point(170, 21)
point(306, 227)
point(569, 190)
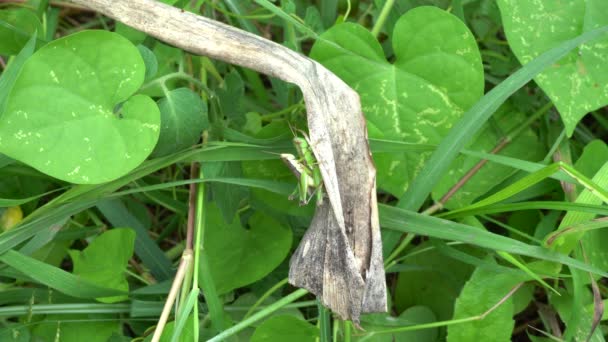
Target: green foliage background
point(488, 127)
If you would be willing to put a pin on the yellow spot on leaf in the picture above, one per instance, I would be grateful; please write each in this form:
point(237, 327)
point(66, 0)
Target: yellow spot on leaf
point(10, 217)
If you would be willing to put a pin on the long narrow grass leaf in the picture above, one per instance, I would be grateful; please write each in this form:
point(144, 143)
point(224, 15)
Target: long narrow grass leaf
point(410, 222)
point(10, 74)
point(56, 278)
point(546, 205)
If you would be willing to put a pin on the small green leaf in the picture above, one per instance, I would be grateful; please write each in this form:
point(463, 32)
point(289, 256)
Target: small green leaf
point(285, 328)
point(575, 309)
point(183, 117)
point(413, 316)
point(430, 266)
point(593, 158)
point(119, 214)
point(70, 113)
point(168, 59)
point(484, 290)
point(149, 60)
point(75, 328)
point(437, 75)
point(104, 261)
point(17, 25)
point(239, 256)
point(231, 96)
point(578, 83)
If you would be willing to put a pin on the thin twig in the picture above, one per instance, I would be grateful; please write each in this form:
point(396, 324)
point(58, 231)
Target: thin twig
point(179, 277)
point(185, 261)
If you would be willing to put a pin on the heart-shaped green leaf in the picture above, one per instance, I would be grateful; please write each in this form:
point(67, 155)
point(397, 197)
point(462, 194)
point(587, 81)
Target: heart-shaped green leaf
point(239, 256)
point(104, 261)
point(437, 74)
point(577, 84)
point(482, 292)
point(70, 113)
point(183, 117)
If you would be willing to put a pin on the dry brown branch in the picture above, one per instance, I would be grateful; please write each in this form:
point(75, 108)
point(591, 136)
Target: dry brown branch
point(340, 257)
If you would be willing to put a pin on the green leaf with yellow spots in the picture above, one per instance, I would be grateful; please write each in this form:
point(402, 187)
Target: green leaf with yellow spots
point(436, 75)
point(578, 83)
point(71, 113)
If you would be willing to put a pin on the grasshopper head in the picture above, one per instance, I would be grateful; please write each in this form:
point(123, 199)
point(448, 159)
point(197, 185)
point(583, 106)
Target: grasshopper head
point(301, 145)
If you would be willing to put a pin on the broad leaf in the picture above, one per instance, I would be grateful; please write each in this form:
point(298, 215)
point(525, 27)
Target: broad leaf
point(575, 309)
point(485, 289)
point(228, 197)
point(75, 328)
point(437, 75)
point(578, 83)
point(239, 256)
point(428, 266)
point(70, 113)
point(285, 328)
point(104, 261)
point(183, 116)
point(413, 316)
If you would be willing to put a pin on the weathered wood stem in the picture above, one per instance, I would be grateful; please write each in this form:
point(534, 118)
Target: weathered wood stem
point(340, 257)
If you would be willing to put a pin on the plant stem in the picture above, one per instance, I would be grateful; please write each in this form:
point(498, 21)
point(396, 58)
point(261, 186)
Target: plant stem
point(200, 262)
point(386, 9)
point(179, 277)
point(324, 323)
point(192, 214)
point(347, 331)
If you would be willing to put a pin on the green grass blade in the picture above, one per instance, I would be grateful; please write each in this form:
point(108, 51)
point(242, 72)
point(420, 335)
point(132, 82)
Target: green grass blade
point(292, 297)
point(9, 202)
point(184, 314)
point(285, 16)
point(145, 247)
point(508, 257)
point(272, 186)
point(65, 309)
point(477, 115)
point(56, 278)
point(10, 74)
point(410, 222)
point(545, 205)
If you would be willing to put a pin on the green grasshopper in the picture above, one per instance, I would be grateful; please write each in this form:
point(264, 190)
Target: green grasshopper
point(306, 169)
